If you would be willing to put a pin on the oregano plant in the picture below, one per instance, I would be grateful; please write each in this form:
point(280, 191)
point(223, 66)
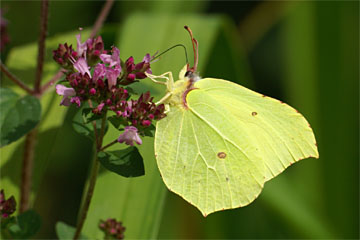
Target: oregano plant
point(98, 82)
point(216, 143)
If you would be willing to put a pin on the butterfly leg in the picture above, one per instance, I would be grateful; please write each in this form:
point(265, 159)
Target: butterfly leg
point(162, 100)
point(167, 108)
point(153, 78)
point(169, 80)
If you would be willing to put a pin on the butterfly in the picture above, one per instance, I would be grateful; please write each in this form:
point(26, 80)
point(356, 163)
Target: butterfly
point(221, 142)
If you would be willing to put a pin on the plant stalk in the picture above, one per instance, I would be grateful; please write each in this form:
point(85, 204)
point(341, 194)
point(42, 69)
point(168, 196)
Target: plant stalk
point(13, 78)
point(89, 194)
point(92, 181)
point(26, 171)
point(108, 145)
point(101, 17)
point(31, 137)
point(41, 44)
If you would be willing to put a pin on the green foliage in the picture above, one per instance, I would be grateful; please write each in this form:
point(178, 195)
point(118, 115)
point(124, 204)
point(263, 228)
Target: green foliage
point(18, 117)
point(7, 101)
point(24, 226)
point(150, 131)
point(82, 122)
point(126, 162)
point(65, 231)
point(117, 122)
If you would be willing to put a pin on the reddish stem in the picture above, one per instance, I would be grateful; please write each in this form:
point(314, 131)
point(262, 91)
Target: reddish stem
point(41, 44)
point(101, 17)
point(53, 80)
point(30, 140)
point(26, 171)
point(13, 78)
point(108, 145)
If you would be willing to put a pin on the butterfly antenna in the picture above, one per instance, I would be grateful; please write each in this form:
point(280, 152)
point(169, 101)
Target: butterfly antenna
point(195, 48)
point(170, 48)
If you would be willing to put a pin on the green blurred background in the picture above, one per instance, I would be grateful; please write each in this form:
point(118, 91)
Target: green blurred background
point(305, 53)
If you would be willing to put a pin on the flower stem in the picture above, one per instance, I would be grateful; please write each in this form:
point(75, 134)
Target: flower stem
point(53, 80)
point(108, 145)
point(41, 45)
point(92, 181)
point(26, 171)
point(13, 78)
point(31, 137)
point(101, 17)
point(102, 131)
point(89, 194)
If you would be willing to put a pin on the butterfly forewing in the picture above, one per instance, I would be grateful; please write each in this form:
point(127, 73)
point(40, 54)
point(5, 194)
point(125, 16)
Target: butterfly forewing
point(283, 134)
point(208, 160)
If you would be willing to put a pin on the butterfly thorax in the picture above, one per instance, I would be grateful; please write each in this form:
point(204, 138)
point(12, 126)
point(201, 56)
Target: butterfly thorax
point(177, 93)
point(181, 88)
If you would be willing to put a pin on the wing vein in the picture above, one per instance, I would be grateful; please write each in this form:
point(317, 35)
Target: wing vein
point(177, 150)
point(217, 174)
point(215, 129)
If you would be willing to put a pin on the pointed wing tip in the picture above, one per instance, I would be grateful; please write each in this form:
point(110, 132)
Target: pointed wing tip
point(207, 213)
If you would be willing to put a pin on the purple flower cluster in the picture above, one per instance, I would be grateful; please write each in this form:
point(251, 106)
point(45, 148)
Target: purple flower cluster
point(112, 229)
point(139, 112)
point(7, 207)
point(95, 74)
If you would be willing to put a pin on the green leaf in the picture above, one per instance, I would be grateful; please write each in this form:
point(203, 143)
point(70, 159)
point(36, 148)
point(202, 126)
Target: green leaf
point(117, 122)
point(6, 225)
point(131, 91)
point(150, 131)
point(127, 162)
point(65, 232)
point(89, 116)
point(7, 101)
point(82, 125)
point(23, 226)
point(20, 118)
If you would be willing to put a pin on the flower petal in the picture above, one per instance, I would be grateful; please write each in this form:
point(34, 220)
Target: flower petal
point(81, 66)
point(64, 91)
point(81, 47)
point(130, 135)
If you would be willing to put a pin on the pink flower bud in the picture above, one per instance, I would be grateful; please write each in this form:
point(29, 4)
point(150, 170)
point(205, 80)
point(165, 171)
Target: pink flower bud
point(131, 77)
point(146, 123)
point(100, 83)
point(92, 91)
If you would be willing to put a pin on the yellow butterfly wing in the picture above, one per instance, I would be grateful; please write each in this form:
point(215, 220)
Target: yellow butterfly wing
point(219, 149)
point(213, 166)
point(283, 134)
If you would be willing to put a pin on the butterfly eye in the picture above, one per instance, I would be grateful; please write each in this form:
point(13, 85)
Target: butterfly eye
point(188, 74)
